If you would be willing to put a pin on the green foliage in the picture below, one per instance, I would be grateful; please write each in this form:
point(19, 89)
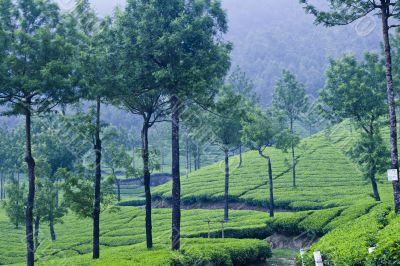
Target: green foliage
point(223, 252)
point(48, 206)
point(37, 65)
point(225, 124)
point(290, 97)
point(371, 153)
point(356, 90)
point(348, 244)
point(79, 191)
point(15, 204)
point(287, 223)
point(242, 85)
point(184, 60)
point(342, 12)
point(260, 130)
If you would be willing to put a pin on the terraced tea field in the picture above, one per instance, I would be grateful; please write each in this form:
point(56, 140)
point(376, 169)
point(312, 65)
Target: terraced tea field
point(331, 200)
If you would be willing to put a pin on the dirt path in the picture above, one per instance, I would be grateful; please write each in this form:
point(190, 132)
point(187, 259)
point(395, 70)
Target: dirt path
point(214, 206)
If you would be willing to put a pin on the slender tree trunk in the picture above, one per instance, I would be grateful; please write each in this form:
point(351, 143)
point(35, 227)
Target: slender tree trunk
point(37, 227)
point(391, 103)
point(190, 161)
point(2, 186)
point(375, 188)
point(226, 194)
point(133, 158)
point(240, 157)
point(31, 188)
point(146, 176)
point(51, 224)
point(293, 155)
point(271, 189)
point(176, 181)
point(57, 198)
point(17, 216)
point(97, 185)
point(195, 161)
point(187, 156)
point(118, 190)
point(198, 157)
point(52, 231)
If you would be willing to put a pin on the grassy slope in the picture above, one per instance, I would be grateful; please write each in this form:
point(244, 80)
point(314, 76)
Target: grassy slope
point(325, 177)
point(123, 228)
point(347, 243)
point(327, 180)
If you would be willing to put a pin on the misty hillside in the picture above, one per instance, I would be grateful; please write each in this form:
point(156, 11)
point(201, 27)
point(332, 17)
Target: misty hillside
point(269, 36)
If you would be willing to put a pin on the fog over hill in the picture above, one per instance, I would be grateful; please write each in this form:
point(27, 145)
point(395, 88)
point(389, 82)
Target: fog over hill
point(269, 36)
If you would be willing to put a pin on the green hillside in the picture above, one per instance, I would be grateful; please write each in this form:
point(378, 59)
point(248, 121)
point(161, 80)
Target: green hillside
point(332, 203)
point(326, 177)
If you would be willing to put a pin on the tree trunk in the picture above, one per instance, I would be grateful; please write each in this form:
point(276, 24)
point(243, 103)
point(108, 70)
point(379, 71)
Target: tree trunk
point(226, 194)
point(118, 190)
point(133, 158)
point(176, 182)
point(293, 155)
point(31, 189)
point(97, 185)
point(375, 188)
point(240, 157)
point(198, 161)
point(146, 177)
point(52, 231)
point(391, 104)
point(195, 160)
point(17, 216)
point(2, 186)
point(37, 226)
point(198, 157)
point(190, 161)
point(51, 224)
point(57, 198)
point(271, 189)
point(187, 156)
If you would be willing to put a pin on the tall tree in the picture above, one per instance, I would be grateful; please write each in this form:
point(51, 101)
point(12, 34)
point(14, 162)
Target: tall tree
point(346, 12)
point(290, 98)
point(261, 130)
point(181, 39)
point(98, 70)
point(151, 106)
point(357, 91)
point(36, 74)
point(242, 85)
point(225, 124)
point(140, 93)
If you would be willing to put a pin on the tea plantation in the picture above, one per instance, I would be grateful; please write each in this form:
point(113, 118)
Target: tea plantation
point(332, 206)
point(326, 177)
